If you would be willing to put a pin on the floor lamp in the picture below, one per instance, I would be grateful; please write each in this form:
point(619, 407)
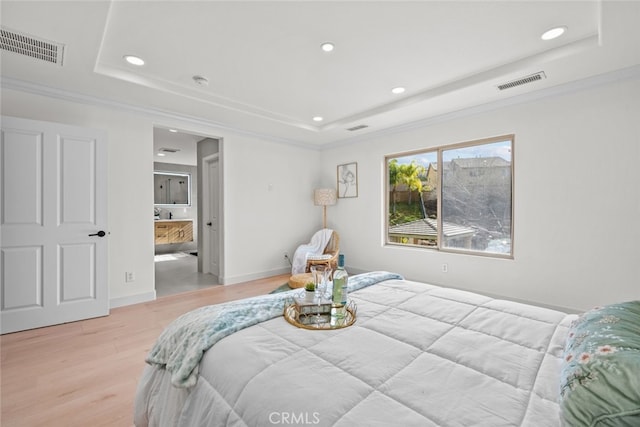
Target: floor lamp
point(324, 197)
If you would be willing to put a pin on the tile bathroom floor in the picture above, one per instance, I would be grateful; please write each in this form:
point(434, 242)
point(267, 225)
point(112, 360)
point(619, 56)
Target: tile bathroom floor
point(177, 272)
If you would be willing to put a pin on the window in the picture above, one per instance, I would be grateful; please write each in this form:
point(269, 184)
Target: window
point(454, 198)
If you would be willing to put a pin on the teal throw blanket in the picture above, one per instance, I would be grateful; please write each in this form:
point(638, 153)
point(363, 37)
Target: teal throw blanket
point(183, 343)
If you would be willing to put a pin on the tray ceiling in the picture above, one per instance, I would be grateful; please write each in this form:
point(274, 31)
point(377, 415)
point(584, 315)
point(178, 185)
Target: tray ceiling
point(266, 73)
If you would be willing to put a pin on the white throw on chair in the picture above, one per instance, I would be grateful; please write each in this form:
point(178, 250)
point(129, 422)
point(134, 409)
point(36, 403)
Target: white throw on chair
point(315, 250)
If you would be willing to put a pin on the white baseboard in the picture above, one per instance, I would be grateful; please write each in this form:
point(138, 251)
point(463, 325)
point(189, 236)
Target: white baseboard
point(254, 276)
point(132, 299)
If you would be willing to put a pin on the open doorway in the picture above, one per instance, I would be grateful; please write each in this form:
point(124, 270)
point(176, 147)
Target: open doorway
point(178, 206)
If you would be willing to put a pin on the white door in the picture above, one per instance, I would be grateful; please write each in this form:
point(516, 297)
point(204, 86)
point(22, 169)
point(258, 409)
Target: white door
point(52, 225)
point(211, 229)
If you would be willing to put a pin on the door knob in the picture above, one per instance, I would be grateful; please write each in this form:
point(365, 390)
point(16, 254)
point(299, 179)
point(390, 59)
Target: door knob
point(209, 224)
point(99, 234)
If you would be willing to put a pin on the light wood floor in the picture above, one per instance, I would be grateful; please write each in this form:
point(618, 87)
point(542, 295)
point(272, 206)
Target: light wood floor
point(85, 373)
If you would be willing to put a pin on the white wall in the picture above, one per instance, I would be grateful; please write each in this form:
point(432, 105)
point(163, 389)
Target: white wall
point(577, 200)
point(268, 191)
point(261, 221)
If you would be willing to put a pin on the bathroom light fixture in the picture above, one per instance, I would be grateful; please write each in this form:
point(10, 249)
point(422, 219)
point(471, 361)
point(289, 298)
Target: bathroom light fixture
point(173, 130)
point(398, 90)
point(553, 33)
point(318, 119)
point(327, 46)
point(161, 154)
point(134, 60)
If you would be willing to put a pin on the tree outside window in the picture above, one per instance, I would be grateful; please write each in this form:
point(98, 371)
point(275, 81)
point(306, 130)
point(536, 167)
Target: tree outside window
point(471, 211)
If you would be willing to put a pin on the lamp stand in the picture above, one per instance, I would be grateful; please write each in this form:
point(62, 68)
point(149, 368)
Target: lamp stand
point(324, 216)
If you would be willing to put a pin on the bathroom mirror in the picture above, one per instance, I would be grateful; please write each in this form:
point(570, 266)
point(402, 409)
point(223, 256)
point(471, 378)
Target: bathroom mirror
point(171, 189)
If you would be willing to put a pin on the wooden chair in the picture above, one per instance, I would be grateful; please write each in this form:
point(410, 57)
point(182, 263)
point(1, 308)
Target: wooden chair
point(329, 256)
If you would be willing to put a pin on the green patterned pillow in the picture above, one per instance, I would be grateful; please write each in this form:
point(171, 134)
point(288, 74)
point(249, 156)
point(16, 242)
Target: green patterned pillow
point(600, 379)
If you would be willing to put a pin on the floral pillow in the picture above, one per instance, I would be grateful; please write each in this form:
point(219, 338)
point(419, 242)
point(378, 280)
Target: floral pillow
point(600, 379)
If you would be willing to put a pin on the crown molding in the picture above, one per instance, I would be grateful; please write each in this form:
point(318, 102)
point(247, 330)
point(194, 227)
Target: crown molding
point(628, 73)
point(632, 72)
point(154, 113)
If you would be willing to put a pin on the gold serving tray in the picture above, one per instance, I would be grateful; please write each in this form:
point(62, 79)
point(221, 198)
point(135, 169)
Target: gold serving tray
point(327, 322)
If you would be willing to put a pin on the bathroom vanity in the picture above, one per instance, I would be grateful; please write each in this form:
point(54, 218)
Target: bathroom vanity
point(173, 231)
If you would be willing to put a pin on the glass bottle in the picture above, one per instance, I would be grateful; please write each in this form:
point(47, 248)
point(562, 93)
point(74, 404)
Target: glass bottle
point(340, 278)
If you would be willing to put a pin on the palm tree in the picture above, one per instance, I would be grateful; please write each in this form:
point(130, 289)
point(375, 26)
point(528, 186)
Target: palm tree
point(410, 175)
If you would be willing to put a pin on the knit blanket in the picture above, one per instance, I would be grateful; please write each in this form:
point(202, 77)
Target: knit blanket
point(316, 246)
point(180, 347)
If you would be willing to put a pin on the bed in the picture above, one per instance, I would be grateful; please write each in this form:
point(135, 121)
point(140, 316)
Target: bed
point(417, 355)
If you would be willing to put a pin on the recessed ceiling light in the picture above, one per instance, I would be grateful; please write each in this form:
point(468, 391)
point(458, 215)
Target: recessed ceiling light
point(318, 119)
point(327, 46)
point(134, 60)
point(553, 33)
point(173, 130)
point(398, 90)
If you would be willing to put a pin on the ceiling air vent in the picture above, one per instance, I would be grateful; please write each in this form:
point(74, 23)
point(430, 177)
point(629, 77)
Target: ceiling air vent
point(169, 150)
point(24, 44)
point(523, 81)
point(357, 128)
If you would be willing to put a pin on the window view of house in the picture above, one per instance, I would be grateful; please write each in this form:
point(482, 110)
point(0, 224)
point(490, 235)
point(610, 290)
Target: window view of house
point(472, 181)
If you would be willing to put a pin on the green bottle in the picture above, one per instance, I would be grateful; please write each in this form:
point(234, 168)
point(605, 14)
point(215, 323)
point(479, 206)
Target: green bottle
point(340, 278)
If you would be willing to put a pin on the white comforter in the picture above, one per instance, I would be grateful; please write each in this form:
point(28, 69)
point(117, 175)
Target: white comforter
point(418, 355)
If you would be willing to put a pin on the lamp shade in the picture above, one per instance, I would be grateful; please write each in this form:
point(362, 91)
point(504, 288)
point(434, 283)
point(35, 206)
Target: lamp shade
point(324, 197)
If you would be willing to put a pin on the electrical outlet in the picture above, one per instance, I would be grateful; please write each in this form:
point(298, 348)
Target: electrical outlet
point(445, 268)
point(129, 276)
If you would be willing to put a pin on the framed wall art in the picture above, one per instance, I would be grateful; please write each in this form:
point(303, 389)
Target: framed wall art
point(348, 180)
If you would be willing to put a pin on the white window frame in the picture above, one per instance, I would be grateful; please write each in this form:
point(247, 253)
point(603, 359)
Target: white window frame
point(439, 152)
